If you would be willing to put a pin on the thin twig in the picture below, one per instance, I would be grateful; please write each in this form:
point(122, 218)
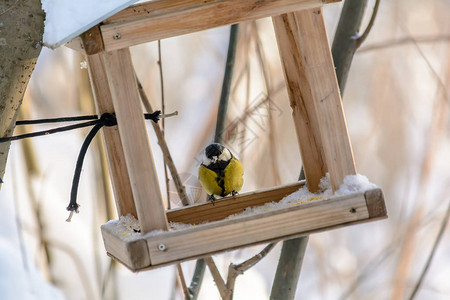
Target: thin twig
point(162, 143)
point(163, 123)
point(183, 285)
point(168, 159)
point(78, 262)
point(403, 41)
point(221, 286)
point(18, 219)
point(432, 252)
point(427, 61)
point(366, 32)
point(245, 265)
point(368, 270)
point(234, 270)
point(110, 275)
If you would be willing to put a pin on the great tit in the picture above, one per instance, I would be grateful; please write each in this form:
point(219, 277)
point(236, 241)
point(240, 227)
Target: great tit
point(220, 173)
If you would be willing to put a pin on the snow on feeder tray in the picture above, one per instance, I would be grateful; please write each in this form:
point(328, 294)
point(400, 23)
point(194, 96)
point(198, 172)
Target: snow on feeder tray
point(243, 220)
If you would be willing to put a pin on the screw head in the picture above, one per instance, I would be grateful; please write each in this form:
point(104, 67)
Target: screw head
point(116, 36)
point(162, 247)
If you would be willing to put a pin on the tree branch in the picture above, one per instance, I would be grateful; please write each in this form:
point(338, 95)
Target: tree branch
point(184, 287)
point(162, 143)
point(235, 270)
point(431, 254)
point(403, 41)
point(221, 286)
point(163, 123)
point(344, 43)
point(197, 278)
point(363, 37)
point(226, 85)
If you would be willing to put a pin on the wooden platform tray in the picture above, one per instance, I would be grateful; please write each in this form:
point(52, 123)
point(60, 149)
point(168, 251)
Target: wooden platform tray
point(154, 250)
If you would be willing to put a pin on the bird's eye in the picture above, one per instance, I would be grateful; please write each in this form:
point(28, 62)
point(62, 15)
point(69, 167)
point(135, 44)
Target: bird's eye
point(213, 150)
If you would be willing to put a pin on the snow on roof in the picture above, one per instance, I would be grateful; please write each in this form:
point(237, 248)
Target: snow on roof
point(66, 19)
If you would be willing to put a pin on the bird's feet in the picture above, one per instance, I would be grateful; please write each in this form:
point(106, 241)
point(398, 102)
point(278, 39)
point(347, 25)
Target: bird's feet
point(211, 198)
point(234, 193)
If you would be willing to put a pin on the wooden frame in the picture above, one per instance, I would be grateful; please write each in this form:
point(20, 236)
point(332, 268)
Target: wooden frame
point(157, 250)
point(162, 19)
point(317, 112)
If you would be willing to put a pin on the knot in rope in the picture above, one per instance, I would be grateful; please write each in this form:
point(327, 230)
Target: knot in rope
point(108, 119)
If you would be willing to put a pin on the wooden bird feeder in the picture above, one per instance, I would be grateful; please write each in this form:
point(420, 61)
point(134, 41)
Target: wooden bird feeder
point(317, 112)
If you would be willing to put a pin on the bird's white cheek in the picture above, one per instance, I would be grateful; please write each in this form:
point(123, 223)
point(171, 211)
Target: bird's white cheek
point(206, 161)
point(225, 156)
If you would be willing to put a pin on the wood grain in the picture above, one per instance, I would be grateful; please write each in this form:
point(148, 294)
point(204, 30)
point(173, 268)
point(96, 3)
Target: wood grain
point(225, 235)
point(133, 134)
point(111, 138)
point(88, 43)
point(206, 239)
point(377, 209)
point(222, 208)
point(162, 19)
point(133, 254)
point(314, 96)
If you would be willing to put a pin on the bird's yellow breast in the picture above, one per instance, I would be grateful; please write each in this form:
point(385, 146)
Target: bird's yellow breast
point(223, 184)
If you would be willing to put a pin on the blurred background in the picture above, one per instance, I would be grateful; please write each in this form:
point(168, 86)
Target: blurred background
point(396, 103)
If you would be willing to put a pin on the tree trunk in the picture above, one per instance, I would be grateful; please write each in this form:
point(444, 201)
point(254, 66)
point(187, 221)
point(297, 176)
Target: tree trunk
point(21, 31)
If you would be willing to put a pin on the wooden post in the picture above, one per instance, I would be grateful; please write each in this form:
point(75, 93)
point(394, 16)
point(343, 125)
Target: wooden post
point(136, 146)
point(111, 137)
point(314, 96)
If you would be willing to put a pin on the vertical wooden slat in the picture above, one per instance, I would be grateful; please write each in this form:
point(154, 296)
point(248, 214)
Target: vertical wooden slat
point(133, 134)
point(314, 96)
point(111, 138)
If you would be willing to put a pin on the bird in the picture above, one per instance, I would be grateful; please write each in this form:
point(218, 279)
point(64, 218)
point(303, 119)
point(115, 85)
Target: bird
point(220, 173)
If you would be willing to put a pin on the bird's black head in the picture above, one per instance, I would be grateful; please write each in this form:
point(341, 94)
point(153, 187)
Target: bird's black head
point(214, 150)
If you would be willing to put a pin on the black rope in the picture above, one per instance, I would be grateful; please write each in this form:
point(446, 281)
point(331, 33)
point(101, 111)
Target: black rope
point(155, 116)
point(57, 120)
point(106, 119)
point(47, 132)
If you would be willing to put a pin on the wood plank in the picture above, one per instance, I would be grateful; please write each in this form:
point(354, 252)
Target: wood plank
point(133, 134)
point(162, 19)
point(226, 235)
point(111, 138)
point(210, 238)
point(132, 253)
point(376, 208)
point(222, 208)
point(315, 97)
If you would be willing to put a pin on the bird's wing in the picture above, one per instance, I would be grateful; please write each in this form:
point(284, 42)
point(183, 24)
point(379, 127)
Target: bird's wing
point(208, 179)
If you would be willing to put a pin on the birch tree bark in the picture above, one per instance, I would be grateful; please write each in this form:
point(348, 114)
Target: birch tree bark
point(21, 31)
